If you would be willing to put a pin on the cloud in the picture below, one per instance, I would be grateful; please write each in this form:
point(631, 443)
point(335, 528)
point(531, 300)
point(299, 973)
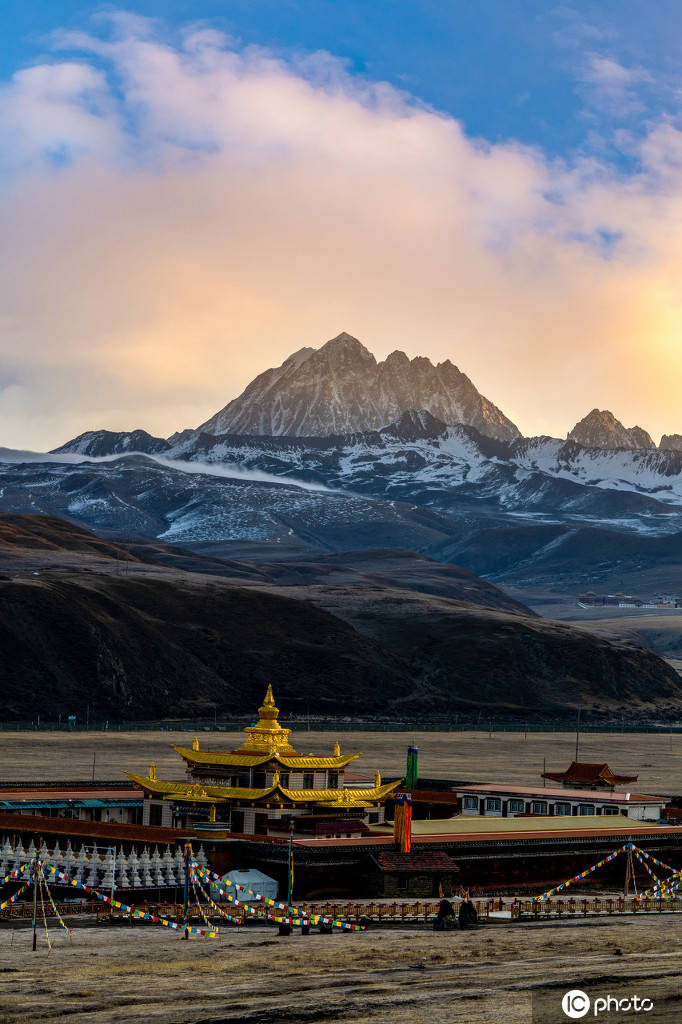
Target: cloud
point(614, 86)
point(12, 456)
point(180, 214)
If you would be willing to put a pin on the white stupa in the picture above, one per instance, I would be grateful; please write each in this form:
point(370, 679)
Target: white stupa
point(145, 869)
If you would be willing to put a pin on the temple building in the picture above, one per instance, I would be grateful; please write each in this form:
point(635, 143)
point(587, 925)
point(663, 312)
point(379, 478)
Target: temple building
point(263, 785)
point(581, 775)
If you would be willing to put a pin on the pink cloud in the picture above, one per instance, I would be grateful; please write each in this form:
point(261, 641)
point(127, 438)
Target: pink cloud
point(252, 206)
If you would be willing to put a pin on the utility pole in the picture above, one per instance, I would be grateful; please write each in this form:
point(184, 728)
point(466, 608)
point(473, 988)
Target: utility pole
point(94, 758)
point(577, 734)
point(185, 912)
point(36, 860)
point(290, 863)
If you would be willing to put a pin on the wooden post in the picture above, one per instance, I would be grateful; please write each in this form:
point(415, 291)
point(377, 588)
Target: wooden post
point(35, 899)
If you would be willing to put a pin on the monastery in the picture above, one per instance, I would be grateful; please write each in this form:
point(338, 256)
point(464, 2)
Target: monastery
point(264, 785)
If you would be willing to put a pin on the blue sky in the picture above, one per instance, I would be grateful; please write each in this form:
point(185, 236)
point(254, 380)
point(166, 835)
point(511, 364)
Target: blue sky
point(192, 191)
point(507, 69)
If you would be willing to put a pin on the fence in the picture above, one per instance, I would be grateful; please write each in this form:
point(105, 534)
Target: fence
point(66, 908)
point(528, 910)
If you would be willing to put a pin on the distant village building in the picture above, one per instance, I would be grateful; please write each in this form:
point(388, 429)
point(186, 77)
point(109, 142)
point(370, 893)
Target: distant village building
point(263, 785)
point(586, 789)
point(592, 600)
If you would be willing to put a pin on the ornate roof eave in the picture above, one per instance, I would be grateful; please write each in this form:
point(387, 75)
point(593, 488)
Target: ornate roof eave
point(348, 797)
point(288, 761)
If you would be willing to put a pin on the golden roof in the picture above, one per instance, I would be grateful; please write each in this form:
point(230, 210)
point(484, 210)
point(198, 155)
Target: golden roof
point(238, 760)
point(266, 741)
point(197, 793)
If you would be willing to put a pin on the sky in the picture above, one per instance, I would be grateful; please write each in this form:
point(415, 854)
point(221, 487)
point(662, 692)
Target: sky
point(191, 191)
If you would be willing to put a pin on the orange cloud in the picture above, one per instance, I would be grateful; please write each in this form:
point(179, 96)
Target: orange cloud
point(168, 239)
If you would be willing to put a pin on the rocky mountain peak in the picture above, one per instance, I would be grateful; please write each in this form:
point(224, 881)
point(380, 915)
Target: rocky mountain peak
point(601, 429)
point(671, 442)
point(341, 388)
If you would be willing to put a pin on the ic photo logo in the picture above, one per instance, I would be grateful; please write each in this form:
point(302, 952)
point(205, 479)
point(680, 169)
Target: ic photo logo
point(575, 1004)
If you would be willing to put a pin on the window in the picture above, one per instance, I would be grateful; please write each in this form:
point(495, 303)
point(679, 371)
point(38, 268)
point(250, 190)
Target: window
point(562, 809)
point(493, 803)
point(333, 780)
point(539, 807)
point(515, 806)
point(585, 809)
point(308, 780)
point(259, 780)
point(470, 803)
point(284, 780)
point(610, 810)
point(155, 814)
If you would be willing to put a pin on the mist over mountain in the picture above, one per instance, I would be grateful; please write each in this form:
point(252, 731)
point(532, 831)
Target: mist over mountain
point(341, 388)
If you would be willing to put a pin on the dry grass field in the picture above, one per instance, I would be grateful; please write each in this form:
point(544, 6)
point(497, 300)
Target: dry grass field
point(474, 756)
point(124, 975)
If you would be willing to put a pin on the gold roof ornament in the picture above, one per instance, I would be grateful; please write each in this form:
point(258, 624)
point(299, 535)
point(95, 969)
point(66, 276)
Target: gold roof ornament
point(152, 770)
point(195, 743)
point(337, 749)
point(267, 736)
point(377, 780)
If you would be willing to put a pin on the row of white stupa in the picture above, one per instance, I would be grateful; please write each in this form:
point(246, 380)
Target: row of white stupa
point(103, 867)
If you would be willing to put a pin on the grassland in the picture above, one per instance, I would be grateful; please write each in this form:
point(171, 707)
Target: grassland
point(475, 756)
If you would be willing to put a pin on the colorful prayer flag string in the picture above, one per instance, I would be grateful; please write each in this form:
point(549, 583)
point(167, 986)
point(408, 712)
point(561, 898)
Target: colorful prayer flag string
point(141, 914)
point(297, 916)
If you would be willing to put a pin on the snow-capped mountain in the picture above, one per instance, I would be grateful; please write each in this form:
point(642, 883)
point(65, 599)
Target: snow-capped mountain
point(420, 460)
point(601, 429)
point(341, 388)
point(111, 442)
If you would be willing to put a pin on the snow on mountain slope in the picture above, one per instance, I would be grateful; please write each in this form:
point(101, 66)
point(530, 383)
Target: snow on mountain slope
point(341, 388)
point(141, 496)
point(417, 460)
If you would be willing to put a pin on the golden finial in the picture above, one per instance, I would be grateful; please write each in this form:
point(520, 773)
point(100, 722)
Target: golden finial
point(152, 771)
point(377, 780)
point(195, 743)
point(268, 710)
point(337, 749)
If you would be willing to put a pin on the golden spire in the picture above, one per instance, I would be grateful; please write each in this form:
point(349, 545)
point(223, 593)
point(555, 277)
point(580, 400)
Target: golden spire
point(267, 736)
point(195, 743)
point(377, 780)
point(337, 749)
point(152, 771)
